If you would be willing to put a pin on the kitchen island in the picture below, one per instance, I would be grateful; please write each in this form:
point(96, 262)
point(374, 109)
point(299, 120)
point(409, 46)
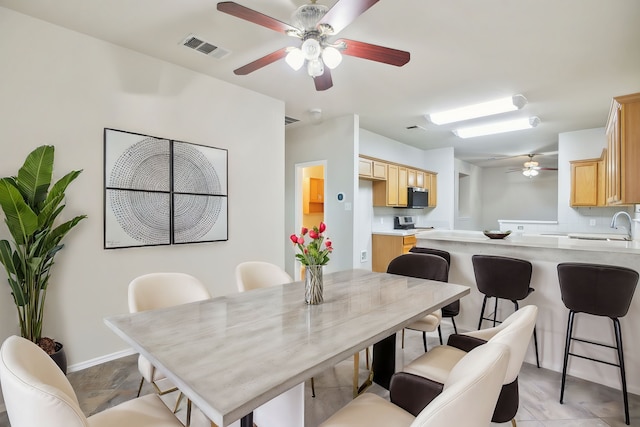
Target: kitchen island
point(545, 252)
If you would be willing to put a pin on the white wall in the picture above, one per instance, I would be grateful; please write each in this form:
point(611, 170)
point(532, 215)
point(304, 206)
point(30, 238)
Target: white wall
point(335, 142)
point(468, 203)
point(62, 88)
point(514, 196)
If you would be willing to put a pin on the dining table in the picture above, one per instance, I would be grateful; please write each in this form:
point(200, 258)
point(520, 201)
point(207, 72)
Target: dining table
point(231, 354)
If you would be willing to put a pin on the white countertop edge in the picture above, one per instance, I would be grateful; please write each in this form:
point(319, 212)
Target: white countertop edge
point(525, 221)
point(536, 241)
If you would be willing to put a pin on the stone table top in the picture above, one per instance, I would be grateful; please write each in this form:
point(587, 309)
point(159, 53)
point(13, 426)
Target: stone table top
point(231, 354)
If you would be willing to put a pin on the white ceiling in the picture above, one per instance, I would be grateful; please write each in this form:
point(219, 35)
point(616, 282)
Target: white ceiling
point(567, 57)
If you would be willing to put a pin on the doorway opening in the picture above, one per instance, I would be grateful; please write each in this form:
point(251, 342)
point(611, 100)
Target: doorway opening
point(309, 199)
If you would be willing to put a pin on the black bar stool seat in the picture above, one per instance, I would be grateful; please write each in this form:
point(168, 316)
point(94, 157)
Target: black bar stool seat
point(503, 278)
point(598, 290)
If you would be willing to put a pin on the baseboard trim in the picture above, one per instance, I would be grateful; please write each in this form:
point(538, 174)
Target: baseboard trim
point(99, 360)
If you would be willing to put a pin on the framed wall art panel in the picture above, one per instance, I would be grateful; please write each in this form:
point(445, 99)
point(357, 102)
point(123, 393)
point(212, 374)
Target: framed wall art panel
point(160, 192)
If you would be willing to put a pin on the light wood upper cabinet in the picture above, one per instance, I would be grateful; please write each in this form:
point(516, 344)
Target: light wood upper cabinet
point(412, 178)
point(623, 151)
point(431, 184)
point(391, 181)
point(372, 169)
point(402, 186)
point(313, 196)
point(385, 193)
point(588, 182)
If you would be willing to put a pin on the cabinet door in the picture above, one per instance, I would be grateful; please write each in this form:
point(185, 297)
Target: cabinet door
point(384, 248)
point(392, 185)
point(402, 186)
point(365, 168)
point(420, 179)
point(379, 170)
point(411, 178)
point(614, 195)
point(584, 183)
point(432, 179)
point(316, 193)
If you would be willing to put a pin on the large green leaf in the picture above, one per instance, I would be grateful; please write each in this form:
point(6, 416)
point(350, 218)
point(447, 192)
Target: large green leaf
point(9, 261)
point(54, 237)
point(34, 177)
point(20, 219)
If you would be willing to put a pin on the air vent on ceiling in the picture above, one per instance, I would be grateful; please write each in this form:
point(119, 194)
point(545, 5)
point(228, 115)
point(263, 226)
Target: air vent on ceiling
point(289, 120)
point(196, 43)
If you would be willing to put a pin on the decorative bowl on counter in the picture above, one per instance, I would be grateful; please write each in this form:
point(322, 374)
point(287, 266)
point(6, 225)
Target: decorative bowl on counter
point(496, 234)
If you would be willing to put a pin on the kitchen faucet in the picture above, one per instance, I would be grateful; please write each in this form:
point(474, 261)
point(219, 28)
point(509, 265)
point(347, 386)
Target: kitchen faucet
point(615, 218)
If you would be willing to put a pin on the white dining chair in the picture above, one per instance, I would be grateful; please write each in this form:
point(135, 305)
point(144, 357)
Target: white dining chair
point(37, 393)
point(160, 290)
point(468, 398)
point(427, 374)
point(259, 274)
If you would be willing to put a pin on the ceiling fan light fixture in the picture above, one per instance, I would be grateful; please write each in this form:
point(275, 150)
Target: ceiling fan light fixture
point(497, 127)
point(311, 49)
point(315, 68)
point(530, 173)
point(497, 106)
point(331, 57)
point(295, 58)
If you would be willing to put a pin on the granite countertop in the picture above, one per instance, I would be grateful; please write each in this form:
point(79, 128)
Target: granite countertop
point(535, 240)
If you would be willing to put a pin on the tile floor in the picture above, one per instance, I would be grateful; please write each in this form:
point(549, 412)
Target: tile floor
point(586, 404)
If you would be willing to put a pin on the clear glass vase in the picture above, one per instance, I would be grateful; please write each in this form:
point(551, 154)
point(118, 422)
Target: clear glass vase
point(313, 286)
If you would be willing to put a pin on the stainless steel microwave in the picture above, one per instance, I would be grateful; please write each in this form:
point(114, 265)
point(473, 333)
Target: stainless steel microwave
point(417, 198)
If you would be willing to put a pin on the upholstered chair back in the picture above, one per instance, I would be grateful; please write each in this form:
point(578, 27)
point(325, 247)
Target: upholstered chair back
point(259, 274)
point(423, 266)
point(515, 332)
point(161, 290)
point(471, 391)
point(36, 392)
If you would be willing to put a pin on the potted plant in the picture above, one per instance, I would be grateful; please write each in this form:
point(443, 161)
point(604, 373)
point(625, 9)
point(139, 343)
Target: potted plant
point(30, 209)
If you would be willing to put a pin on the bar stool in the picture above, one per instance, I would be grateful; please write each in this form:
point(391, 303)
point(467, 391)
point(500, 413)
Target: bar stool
point(449, 310)
point(599, 290)
point(503, 278)
point(423, 266)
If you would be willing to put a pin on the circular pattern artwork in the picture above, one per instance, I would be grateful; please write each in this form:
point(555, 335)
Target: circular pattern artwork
point(156, 187)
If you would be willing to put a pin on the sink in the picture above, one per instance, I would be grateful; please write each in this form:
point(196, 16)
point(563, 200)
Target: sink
point(598, 236)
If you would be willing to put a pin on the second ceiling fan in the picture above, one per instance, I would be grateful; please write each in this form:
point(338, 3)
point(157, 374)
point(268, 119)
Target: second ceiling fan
point(531, 168)
point(315, 24)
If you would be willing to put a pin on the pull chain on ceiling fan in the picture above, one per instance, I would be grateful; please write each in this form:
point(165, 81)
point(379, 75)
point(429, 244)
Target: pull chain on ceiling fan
point(314, 24)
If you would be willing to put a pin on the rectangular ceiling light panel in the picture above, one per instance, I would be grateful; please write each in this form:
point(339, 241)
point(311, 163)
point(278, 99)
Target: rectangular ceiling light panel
point(502, 105)
point(497, 127)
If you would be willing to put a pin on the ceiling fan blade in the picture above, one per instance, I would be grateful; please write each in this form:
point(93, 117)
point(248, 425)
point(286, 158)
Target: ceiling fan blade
point(373, 52)
point(242, 12)
point(261, 62)
point(324, 81)
point(344, 13)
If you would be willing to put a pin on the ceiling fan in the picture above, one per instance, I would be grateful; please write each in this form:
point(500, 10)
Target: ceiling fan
point(531, 168)
point(315, 24)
